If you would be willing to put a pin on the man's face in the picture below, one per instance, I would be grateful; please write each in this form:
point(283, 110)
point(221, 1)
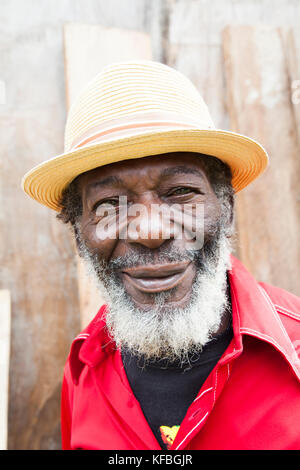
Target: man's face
point(172, 180)
point(164, 298)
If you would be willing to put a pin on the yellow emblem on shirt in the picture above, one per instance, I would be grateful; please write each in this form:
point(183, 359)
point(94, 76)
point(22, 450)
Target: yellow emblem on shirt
point(168, 434)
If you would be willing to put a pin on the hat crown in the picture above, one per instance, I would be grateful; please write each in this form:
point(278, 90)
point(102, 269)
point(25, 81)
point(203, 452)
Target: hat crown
point(135, 92)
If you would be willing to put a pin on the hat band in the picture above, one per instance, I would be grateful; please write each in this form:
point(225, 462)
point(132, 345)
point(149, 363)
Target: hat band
point(134, 125)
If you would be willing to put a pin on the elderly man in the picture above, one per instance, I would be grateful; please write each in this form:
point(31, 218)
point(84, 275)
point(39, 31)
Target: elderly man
point(189, 351)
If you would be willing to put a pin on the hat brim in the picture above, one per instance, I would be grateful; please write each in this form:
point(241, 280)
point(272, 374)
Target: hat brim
point(246, 158)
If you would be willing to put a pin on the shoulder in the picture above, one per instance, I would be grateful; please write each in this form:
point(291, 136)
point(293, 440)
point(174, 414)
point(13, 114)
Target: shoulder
point(87, 348)
point(287, 306)
point(285, 302)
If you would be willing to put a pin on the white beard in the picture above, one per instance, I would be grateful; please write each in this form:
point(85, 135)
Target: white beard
point(162, 332)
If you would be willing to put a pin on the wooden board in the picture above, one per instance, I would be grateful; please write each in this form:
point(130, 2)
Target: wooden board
point(292, 47)
point(88, 48)
point(36, 256)
point(4, 364)
point(259, 104)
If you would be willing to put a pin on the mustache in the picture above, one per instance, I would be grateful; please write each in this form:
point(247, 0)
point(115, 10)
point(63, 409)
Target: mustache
point(143, 256)
point(140, 258)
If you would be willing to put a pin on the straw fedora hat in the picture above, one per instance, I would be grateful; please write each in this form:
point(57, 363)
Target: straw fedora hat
point(137, 109)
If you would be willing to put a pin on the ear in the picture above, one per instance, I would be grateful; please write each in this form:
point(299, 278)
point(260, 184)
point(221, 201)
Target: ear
point(231, 223)
point(230, 218)
point(77, 237)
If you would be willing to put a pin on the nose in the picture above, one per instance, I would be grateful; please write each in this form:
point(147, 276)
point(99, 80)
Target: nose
point(149, 225)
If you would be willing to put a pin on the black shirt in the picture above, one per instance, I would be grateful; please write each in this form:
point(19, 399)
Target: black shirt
point(165, 391)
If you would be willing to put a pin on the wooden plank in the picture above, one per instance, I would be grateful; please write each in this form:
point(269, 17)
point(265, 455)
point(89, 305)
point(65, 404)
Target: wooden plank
point(88, 48)
point(292, 47)
point(259, 103)
point(194, 40)
point(5, 322)
point(291, 41)
point(36, 257)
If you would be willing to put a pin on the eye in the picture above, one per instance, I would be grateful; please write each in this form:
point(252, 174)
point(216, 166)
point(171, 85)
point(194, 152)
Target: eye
point(182, 190)
point(106, 204)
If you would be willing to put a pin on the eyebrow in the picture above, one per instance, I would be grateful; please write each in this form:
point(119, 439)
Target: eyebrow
point(116, 180)
point(181, 169)
point(104, 182)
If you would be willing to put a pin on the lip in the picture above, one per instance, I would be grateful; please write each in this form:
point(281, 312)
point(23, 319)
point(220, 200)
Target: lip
point(156, 278)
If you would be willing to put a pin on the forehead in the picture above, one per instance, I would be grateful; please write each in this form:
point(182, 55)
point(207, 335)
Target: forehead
point(148, 168)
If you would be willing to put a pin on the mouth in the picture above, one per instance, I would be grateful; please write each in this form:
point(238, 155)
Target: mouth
point(157, 278)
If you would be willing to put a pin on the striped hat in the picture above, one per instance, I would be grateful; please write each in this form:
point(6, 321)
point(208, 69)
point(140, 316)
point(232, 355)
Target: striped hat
point(136, 109)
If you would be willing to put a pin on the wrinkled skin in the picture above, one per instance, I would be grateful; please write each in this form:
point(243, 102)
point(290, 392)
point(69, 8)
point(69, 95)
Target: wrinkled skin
point(169, 179)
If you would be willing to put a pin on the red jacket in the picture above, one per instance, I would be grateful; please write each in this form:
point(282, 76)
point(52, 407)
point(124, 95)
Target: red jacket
point(249, 401)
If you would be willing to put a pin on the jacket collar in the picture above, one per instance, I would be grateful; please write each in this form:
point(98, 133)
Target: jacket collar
point(253, 314)
point(91, 346)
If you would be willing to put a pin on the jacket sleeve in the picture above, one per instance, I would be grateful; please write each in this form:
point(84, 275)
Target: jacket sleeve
point(66, 411)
